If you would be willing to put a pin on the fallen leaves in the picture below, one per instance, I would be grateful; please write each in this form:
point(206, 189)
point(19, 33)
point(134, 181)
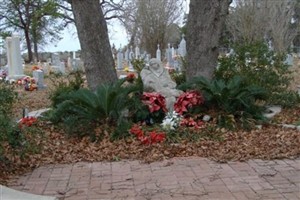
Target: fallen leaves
point(270, 142)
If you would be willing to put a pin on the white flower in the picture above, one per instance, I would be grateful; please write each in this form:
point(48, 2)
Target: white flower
point(171, 121)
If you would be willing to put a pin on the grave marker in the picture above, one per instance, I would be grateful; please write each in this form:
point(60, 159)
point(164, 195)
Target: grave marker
point(14, 59)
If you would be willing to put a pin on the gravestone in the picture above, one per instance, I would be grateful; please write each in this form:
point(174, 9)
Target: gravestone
point(158, 53)
point(137, 52)
point(76, 64)
point(131, 57)
point(69, 63)
point(14, 59)
point(182, 47)
point(55, 60)
point(119, 60)
point(289, 60)
point(169, 56)
point(38, 75)
point(57, 65)
point(148, 57)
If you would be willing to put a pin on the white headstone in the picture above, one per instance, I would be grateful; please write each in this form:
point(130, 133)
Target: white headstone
point(131, 57)
point(14, 59)
point(158, 53)
point(38, 75)
point(137, 52)
point(120, 60)
point(169, 56)
point(289, 60)
point(182, 47)
point(74, 54)
point(55, 60)
point(127, 54)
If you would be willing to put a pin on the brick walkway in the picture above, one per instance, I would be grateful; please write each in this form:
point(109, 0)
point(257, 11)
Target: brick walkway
point(178, 178)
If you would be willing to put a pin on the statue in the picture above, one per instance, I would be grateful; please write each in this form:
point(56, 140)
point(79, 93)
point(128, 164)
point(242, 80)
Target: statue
point(157, 79)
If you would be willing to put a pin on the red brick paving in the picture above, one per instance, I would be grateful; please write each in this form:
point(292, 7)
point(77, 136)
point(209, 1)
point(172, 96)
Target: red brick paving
point(179, 178)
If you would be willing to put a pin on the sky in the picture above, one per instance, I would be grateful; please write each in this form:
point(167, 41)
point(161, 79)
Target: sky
point(70, 42)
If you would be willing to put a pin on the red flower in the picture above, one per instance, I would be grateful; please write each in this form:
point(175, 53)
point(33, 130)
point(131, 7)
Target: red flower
point(154, 101)
point(152, 138)
point(136, 130)
point(157, 137)
point(27, 121)
point(188, 100)
point(36, 68)
point(190, 122)
point(130, 77)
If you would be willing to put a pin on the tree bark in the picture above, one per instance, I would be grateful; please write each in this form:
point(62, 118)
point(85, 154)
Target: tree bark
point(205, 22)
point(95, 47)
point(28, 44)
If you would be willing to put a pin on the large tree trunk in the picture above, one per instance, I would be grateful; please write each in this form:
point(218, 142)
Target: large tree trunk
point(28, 44)
point(95, 47)
point(205, 22)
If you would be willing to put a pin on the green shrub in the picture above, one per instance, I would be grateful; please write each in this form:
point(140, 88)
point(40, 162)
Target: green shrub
point(81, 110)
point(64, 85)
point(10, 133)
point(7, 98)
point(235, 100)
point(258, 66)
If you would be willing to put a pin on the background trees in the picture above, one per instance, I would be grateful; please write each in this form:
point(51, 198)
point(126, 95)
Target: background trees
point(275, 21)
point(147, 22)
point(30, 17)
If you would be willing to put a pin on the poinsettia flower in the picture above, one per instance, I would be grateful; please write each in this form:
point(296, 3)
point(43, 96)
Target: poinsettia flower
point(154, 101)
point(188, 100)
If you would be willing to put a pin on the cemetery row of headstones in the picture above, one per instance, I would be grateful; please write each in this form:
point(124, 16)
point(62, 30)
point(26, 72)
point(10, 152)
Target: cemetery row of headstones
point(15, 69)
point(171, 56)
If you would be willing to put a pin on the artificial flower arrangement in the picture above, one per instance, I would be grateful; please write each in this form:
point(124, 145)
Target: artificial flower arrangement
point(151, 137)
point(126, 69)
point(172, 121)
point(36, 68)
point(28, 82)
point(27, 121)
point(130, 77)
point(3, 74)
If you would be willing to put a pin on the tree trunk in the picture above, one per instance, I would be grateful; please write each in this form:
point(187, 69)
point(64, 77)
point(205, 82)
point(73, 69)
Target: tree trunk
point(95, 47)
point(205, 22)
point(28, 44)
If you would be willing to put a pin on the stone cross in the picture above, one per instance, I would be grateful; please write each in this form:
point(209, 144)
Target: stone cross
point(14, 59)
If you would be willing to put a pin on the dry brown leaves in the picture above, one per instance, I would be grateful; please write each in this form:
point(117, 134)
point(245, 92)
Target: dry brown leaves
point(55, 147)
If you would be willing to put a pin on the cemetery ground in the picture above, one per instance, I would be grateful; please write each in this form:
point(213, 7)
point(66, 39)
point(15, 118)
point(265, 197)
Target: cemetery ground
point(50, 145)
